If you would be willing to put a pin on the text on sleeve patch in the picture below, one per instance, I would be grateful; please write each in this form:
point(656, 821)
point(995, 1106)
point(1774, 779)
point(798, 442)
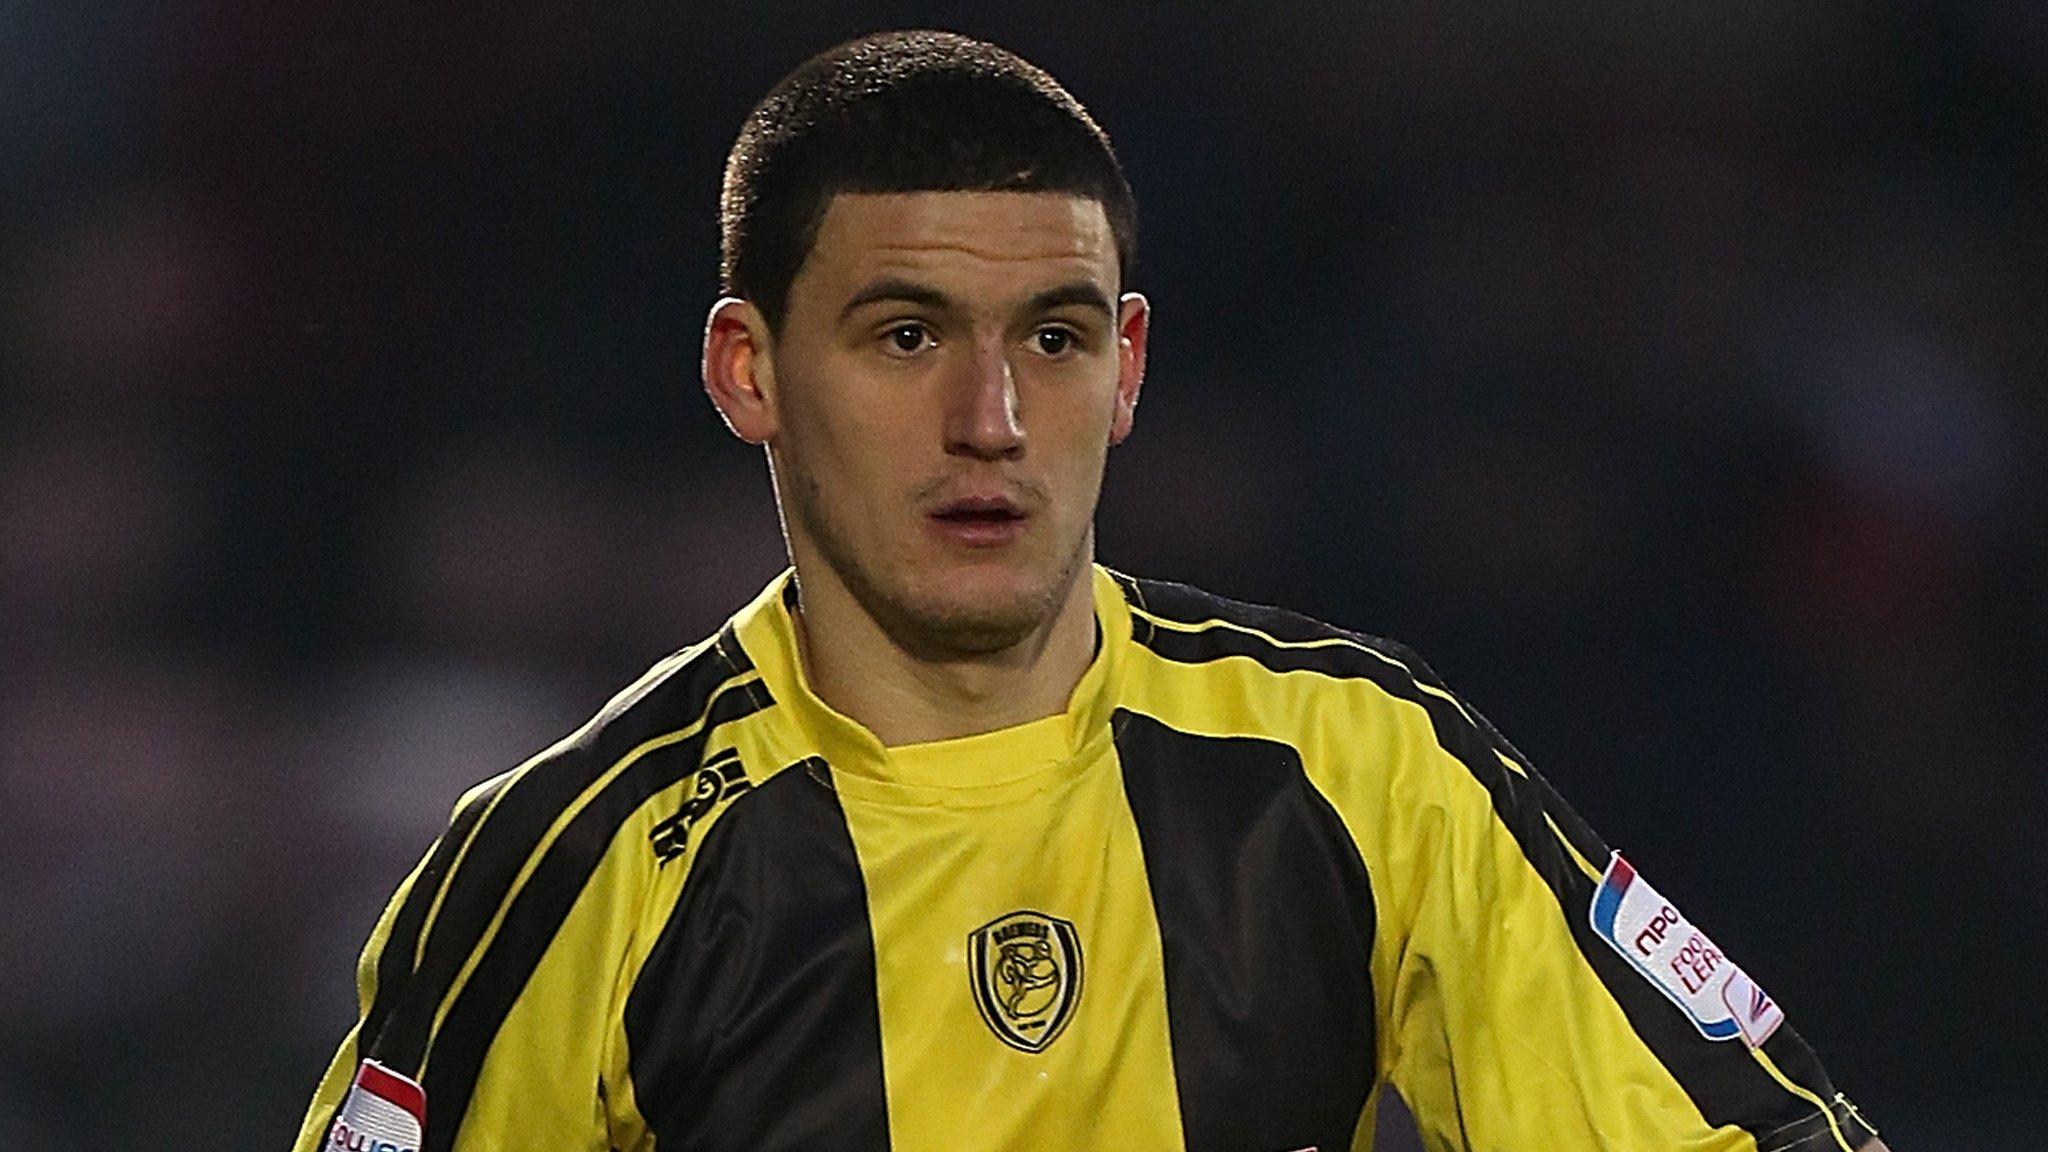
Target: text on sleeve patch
point(1716, 995)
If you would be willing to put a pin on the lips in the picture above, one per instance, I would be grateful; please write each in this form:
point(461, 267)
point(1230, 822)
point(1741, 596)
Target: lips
point(978, 508)
point(979, 521)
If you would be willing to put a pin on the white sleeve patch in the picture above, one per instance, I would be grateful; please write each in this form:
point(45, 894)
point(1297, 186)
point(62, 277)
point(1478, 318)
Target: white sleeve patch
point(384, 1112)
point(1717, 996)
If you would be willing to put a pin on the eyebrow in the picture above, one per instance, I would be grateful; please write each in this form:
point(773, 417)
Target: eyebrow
point(1085, 292)
point(894, 288)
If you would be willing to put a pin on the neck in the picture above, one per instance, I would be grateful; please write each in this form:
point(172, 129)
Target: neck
point(907, 697)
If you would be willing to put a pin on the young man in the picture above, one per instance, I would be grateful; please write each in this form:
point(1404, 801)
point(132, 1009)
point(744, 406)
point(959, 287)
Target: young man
point(953, 840)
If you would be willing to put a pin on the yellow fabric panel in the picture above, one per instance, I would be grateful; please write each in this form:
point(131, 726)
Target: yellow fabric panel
point(1066, 847)
point(1491, 1022)
point(341, 1070)
point(1503, 1031)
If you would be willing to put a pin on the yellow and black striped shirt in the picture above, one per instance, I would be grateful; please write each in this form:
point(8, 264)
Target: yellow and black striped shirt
point(1257, 868)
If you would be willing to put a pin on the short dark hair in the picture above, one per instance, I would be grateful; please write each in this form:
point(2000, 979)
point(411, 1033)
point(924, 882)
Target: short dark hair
point(902, 112)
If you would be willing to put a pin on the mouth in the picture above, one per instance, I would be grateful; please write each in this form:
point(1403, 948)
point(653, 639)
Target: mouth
point(979, 521)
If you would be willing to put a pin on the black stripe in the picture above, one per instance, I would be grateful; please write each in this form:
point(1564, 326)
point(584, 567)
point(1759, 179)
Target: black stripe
point(539, 909)
point(1813, 1130)
point(753, 1025)
point(502, 844)
point(394, 963)
point(394, 959)
point(1727, 1086)
point(1266, 917)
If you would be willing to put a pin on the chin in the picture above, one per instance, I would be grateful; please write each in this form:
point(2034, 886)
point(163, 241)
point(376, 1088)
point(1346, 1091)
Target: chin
point(974, 613)
point(941, 603)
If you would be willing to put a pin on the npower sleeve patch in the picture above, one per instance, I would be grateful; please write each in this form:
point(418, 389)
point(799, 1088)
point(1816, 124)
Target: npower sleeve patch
point(1716, 995)
point(384, 1112)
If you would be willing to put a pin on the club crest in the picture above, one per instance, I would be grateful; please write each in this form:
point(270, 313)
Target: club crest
point(1026, 971)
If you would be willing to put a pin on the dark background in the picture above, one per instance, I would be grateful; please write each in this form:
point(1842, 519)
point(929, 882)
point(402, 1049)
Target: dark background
point(1668, 374)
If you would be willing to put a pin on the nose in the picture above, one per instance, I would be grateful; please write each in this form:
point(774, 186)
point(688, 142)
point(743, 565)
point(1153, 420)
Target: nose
point(982, 418)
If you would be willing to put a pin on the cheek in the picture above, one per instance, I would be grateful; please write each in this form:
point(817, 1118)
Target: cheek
point(853, 457)
point(1076, 438)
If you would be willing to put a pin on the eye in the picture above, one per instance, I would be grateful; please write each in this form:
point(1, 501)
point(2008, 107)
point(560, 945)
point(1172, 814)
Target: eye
point(907, 338)
point(1054, 341)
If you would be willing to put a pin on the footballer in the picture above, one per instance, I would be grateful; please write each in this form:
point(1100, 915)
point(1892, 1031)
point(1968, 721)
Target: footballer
point(954, 840)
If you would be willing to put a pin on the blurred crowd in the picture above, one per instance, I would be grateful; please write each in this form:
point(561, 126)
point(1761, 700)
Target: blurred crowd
point(1670, 376)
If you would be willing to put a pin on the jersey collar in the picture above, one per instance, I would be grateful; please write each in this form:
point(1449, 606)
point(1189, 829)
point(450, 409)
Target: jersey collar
point(995, 761)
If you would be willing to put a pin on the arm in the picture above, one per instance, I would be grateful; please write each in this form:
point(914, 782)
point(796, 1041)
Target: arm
point(340, 1076)
point(475, 989)
point(1538, 992)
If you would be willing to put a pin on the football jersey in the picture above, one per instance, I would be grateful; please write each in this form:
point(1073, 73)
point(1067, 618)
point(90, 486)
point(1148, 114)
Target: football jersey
point(1258, 868)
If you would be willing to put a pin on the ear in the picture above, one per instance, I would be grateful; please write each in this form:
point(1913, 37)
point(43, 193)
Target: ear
point(739, 369)
point(1133, 321)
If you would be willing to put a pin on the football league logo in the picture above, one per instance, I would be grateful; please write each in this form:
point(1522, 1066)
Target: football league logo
point(383, 1112)
point(1026, 970)
point(1716, 995)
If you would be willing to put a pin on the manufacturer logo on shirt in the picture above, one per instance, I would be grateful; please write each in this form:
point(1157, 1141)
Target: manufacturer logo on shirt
point(720, 779)
point(1026, 971)
point(1717, 996)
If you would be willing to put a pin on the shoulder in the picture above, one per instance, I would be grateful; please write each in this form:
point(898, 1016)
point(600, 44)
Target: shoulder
point(686, 693)
point(674, 706)
point(1186, 625)
point(1297, 678)
point(586, 788)
point(1376, 730)
point(528, 859)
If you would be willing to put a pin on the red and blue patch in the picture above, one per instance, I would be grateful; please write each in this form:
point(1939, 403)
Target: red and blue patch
point(1719, 998)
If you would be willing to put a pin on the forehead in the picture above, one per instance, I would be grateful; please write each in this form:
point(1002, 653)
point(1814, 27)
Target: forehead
point(972, 238)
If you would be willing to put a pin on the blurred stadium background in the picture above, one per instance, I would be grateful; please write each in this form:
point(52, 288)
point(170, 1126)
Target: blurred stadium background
point(1670, 375)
